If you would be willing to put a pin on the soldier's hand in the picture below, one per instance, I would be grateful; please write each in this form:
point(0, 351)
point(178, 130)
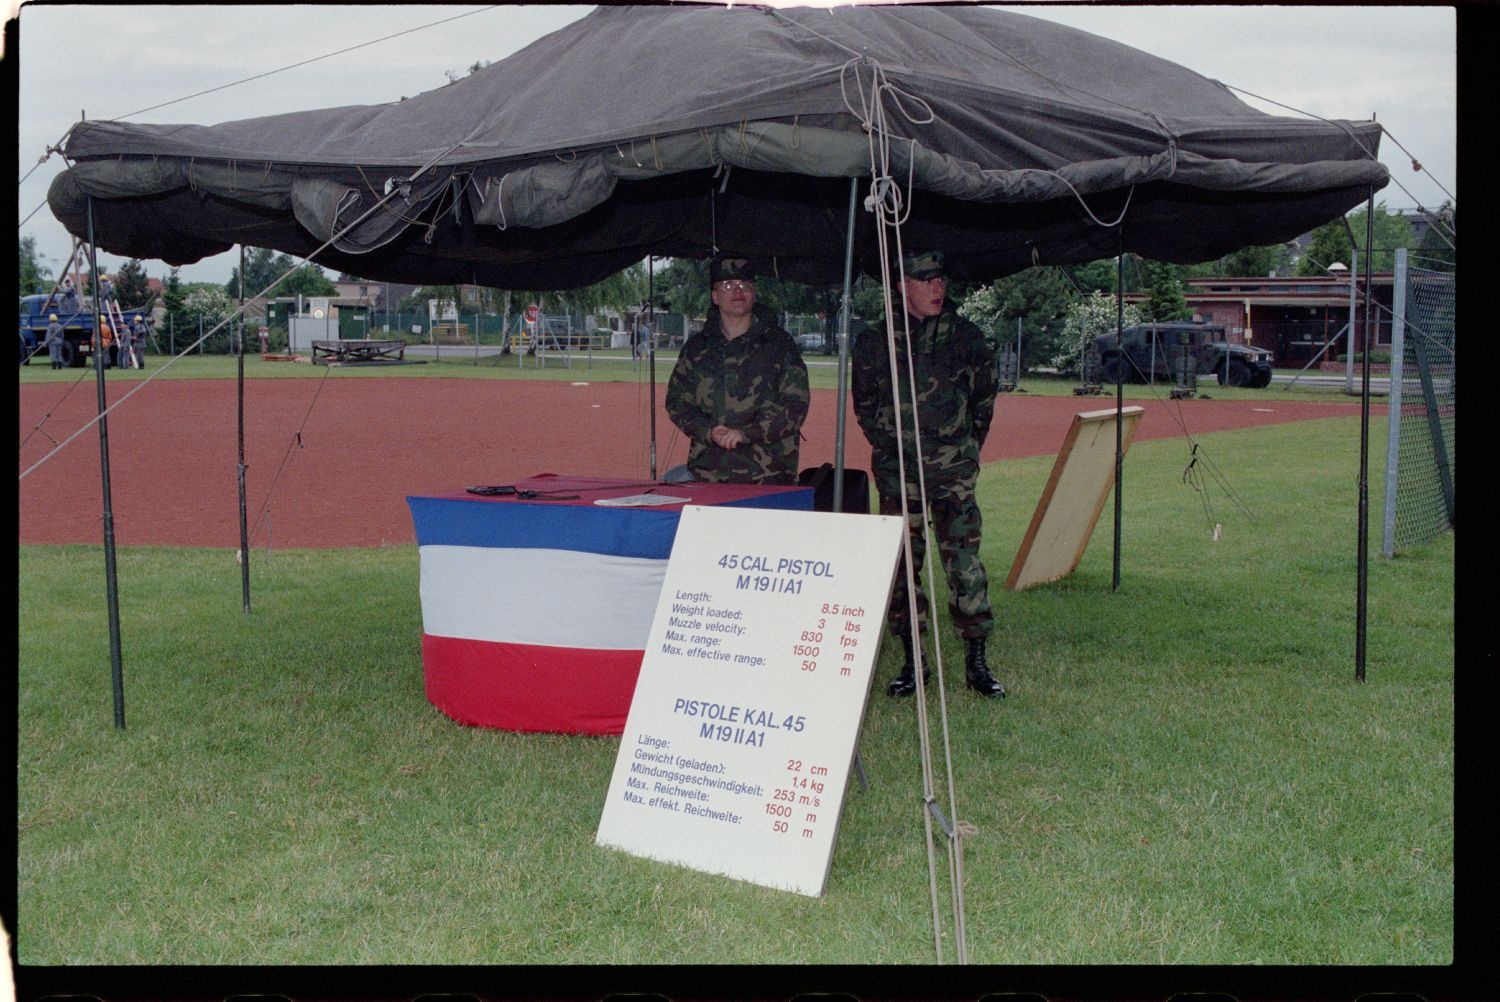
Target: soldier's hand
point(725, 437)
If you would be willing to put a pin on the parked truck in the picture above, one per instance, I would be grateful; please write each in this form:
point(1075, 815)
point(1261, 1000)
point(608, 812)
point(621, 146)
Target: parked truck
point(78, 329)
point(1174, 352)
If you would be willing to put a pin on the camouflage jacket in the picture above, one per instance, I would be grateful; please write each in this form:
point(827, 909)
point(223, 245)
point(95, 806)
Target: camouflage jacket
point(756, 383)
point(957, 377)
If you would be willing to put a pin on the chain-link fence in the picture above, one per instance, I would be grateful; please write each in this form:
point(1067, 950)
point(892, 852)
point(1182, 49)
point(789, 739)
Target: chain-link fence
point(1419, 458)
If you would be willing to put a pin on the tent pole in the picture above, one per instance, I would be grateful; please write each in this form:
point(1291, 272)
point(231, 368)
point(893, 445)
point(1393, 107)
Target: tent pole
point(111, 577)
point(651, 349)
point(844, 314)
point(1362, 573)
point(240, 468)
point(1119, 403)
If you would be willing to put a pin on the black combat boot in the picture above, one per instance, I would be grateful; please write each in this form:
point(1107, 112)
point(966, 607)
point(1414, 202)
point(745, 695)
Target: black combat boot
point(905, 683)
point(977, 672)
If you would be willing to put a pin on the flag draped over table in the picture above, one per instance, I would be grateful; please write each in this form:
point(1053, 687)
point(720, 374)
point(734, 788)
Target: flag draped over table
point(536, 612)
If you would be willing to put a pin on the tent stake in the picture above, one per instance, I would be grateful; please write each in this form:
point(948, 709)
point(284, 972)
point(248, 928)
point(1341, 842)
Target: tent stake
point(111, 578)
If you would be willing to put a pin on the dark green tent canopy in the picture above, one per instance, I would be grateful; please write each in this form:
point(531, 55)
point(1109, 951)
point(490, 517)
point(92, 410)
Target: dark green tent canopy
point(565, 162)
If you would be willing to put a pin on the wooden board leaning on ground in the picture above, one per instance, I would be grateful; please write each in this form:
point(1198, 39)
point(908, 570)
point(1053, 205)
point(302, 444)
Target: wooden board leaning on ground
point(1073, 498)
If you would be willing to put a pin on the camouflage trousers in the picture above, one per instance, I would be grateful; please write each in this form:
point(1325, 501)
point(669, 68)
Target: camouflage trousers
point(956, 525)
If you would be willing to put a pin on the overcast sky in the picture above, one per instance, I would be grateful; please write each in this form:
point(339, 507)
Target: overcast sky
point(1394, 63)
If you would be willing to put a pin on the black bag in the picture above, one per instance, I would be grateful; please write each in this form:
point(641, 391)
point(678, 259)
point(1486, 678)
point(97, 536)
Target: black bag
point(856, 488)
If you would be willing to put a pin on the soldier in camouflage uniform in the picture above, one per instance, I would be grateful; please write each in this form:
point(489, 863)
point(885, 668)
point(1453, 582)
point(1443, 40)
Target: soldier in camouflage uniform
point(739, 390)
point(957, 377)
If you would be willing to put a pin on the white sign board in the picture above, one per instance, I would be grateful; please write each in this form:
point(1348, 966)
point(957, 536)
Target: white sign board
point(737, 748)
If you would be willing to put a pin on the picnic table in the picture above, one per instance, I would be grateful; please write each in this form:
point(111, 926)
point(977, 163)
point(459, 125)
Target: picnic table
point(355, 351)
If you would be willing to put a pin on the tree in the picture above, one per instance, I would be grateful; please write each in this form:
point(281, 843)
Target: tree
point(1330, 242)
point(264, 267)
point(684, 284)
point(305, 280)
point(175, 316)
point(132, 289)
point(1037, 297)
point(1327, 245)
point(260, 272)
point(1164, 298)
point(1246, 262)
point(621, 291)
point(1086, 320)
point(867, 303)
point(35, 278)
point(1094, 276)
point(1438, 250)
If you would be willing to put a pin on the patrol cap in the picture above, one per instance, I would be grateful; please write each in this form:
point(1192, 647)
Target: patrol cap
point(725, 267)
point(922, 264)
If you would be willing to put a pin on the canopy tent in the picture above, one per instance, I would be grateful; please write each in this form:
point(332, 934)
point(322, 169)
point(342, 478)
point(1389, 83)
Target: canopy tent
point(565, 162)
point(1013, 141)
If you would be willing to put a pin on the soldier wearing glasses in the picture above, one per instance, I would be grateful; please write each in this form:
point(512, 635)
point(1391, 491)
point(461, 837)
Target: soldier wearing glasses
point(739, 390)
point(957, 377)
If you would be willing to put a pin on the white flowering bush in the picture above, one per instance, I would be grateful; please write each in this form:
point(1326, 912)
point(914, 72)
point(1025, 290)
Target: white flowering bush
point(1085, 320)
point(213, 305)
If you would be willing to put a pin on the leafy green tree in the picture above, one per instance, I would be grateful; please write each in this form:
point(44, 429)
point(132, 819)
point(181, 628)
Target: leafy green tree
point(1327, 245)
point(1438, 250)
point(684, 284)
point(620, 291)
point(1037, 297)
point(1164, 297)
point(1245, 262)
point(786, 296)
point(35, 278)
point(1330, 242)
point(867, 303)
point(132, 289)
point(1093, 276)
point(174, 310)
point(307, 280)
point(260, 272)
point(264, 269)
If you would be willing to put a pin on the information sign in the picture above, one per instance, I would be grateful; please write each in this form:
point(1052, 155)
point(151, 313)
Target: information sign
point(738, 744)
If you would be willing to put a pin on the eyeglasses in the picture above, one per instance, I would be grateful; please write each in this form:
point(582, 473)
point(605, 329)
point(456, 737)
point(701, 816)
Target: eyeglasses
point(734, 285)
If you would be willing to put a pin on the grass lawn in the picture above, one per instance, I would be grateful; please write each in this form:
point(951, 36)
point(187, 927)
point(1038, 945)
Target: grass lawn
point(1186, 771)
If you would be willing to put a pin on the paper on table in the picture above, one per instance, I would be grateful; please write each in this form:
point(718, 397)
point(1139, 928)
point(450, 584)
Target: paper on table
point(640, 500)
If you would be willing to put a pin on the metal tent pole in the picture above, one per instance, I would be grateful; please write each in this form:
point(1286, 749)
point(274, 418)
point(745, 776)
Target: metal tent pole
point(240, 467)
point(1363, 561)
point(651, 349)
point(843, 397)
point(1119, 406)
point(111, 578)
point(1353, 327)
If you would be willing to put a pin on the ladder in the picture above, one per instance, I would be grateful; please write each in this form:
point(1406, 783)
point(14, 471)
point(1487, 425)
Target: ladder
point(124, 336)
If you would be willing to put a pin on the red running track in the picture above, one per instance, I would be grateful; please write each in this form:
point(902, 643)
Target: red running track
point(329, 463)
